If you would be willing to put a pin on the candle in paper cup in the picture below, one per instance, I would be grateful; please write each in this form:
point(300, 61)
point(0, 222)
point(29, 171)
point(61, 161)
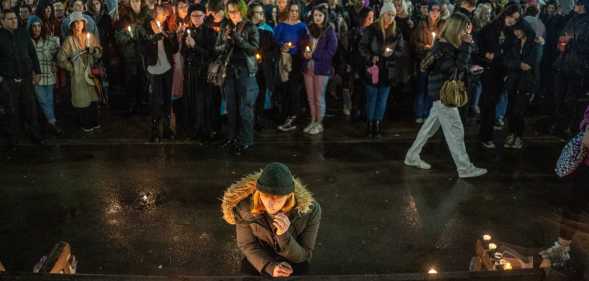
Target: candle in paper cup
point(188, 31)
point(130, 30)
point(487, 237)
point(433, 36)
point(159, 25)
point(492, 246)
point(307, 49)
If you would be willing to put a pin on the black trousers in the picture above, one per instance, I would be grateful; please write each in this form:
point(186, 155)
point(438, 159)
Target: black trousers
point(194, 113)
point(567, 91)
point(298, 268)
point(289, 96)
point(491, 83)
point(516, 112)
point(161, 96)
point(88, 116)
point(17, 100)
point(577, 203)
point(134, 84)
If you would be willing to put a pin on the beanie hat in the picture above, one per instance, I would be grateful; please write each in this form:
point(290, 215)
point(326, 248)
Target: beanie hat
point(196, 7)
point(387, 7)
point(432, 3)
point(32, 20)
point(275, 179)
point(77, 16)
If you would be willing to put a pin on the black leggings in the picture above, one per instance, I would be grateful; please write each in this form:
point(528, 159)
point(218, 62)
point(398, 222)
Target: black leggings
point(518, 105)
point(577, 203)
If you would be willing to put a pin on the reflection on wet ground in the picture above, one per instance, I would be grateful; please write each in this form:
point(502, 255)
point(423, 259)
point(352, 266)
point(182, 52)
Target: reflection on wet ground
point(146, 209)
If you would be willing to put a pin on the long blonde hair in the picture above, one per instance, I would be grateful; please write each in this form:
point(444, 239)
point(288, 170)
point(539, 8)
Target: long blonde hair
point(258, 207)
point(454, 29)
point(391, 30)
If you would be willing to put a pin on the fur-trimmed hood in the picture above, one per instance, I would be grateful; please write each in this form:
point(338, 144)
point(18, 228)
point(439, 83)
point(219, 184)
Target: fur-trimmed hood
point(246, 186)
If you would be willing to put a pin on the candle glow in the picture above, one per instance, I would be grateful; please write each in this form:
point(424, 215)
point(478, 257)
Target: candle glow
point(307, 49)
point(507, 266)
point(434, 36)
point(432, 271)
point(258, 56)
point(487, 237)
point(492, 246)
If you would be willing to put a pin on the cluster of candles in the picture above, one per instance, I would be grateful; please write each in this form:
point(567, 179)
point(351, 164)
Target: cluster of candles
point(495, 256)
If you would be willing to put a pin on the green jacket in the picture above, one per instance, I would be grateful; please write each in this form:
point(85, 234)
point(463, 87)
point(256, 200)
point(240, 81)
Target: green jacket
point(255, 238)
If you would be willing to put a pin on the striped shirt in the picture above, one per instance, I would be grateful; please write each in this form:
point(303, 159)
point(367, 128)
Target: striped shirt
point(46, 54)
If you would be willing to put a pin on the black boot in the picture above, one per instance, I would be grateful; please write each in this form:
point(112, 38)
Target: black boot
point(377, 130)
point(155, 131)
point(168, 132)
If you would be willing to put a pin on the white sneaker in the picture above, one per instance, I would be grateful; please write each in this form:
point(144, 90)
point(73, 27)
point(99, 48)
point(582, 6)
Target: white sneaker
point(472, 173)
point(509, 141)
point(317, 129)
point(288, 125)
point(557, 254)
point(309, 127)
point(518, 144)
point(488, 144)
point(418, 163)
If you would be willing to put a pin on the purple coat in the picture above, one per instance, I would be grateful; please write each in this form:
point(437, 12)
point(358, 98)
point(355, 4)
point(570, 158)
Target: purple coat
point(324, 52)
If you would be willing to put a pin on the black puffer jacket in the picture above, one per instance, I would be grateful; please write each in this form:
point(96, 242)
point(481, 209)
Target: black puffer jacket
point(529, 53)
point(373, 44)
point(449, 60)
point(494, 38)
point(245, 41)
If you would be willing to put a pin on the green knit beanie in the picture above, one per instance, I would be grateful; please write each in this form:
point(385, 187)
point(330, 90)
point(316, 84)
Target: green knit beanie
point(276, 179)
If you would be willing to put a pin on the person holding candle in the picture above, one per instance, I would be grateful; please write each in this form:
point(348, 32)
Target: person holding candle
point(381, 47)
point(127, 38)
point(160, 44)
point(197, 48)
point(320, 47)
point(179, 21)
point(423, 41)
point(276, 221)
point(288, 35)
point(79, 53)
point(451, 55)
point(239, 39)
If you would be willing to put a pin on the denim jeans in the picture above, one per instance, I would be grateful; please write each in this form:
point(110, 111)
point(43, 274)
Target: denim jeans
point(376, 102)
point(241, 92)
point(423, 101)
point(45, 99)
point(477, 90)
point(501, 108)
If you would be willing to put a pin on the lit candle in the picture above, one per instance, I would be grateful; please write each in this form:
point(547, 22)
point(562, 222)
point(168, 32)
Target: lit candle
point(492, 246)
point(433, 36)
point(507, 266)
point(258, 57)
point(88, 39)
point(289, 44)
point(159, 26)
point(487, 237)
point(307, 49)
point(388, 50)
point(432, 271)
point(130, 30)
point(188, 31)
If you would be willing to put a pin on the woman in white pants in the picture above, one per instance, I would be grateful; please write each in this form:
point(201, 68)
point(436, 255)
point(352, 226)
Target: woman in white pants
point(451, 54)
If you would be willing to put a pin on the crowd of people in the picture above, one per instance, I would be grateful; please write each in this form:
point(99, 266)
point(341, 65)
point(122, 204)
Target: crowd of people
point(220, 69)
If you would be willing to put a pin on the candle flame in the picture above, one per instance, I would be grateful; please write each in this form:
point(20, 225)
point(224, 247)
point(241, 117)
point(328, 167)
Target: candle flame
point(432, 271)
point(507, 266)
point(258, 56)
point(487, 237)
point(129, 28)
point(388, 49)
point(492, 246)
point(307, 49)
point(289, 44)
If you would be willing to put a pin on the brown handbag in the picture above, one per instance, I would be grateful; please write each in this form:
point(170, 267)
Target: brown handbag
point(453, 92)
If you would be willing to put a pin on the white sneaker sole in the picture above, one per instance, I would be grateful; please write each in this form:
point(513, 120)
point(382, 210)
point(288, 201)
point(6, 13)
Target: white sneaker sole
point(416, 165)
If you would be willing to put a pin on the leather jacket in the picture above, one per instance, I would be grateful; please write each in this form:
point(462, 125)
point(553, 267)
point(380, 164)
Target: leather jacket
point(245, 41)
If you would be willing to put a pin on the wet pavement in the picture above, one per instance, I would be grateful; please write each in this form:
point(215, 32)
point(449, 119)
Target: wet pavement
point(378, 215)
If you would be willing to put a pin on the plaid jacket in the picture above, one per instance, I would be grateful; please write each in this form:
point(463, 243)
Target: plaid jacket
point(46, 53)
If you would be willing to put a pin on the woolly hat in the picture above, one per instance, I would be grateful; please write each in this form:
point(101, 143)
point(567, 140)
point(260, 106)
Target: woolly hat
point(196, 7)
point(388, 7)
point(583, 2)
point(32, 20)
point(432, 3)
point(275, 179)
point(77, 16)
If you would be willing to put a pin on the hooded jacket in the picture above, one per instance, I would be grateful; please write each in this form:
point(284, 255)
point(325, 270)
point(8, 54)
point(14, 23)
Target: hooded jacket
point(255, 238)
point(529, 53)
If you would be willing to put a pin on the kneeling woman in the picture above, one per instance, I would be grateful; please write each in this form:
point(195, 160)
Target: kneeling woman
point(276, 220)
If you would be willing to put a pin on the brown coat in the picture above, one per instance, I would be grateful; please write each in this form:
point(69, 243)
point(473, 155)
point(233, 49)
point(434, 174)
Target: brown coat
point(255, 238)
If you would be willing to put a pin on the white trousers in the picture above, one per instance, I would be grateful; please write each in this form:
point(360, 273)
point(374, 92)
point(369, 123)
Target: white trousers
point(449, 119)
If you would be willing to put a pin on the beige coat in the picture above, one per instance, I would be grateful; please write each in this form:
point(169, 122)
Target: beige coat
point(75, 60)
point(255, 238)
